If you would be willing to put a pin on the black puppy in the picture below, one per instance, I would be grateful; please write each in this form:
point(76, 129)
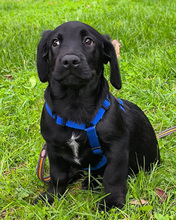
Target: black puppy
point(83, 124)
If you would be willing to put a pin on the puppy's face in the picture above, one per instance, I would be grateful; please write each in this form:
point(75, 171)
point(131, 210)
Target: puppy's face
point(73, 54)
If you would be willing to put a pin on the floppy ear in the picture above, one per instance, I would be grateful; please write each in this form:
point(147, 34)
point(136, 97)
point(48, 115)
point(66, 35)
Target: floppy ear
point(110, 56)
point(42, 57)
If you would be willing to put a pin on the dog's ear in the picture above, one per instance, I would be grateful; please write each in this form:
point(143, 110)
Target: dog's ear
point(42, 57)
point(110, 56)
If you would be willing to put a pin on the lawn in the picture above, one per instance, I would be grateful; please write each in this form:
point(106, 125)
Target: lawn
point(146, 30)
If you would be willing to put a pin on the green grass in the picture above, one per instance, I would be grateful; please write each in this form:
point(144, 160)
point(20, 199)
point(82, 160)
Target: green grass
point(147, 33)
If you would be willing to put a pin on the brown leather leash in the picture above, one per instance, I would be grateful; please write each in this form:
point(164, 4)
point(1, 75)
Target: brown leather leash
point(43, 155)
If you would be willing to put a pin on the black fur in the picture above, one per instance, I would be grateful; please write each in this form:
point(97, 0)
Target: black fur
point(71, 58)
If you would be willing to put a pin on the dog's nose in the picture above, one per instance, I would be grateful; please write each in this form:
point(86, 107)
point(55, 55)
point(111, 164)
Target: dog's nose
point(72, 61)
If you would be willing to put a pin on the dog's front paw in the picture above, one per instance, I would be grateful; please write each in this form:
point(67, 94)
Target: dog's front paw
point(109, 202)
point(46, 198)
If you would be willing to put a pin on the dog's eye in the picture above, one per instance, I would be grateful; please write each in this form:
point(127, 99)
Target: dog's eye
point(88, 41)
point(55, 43)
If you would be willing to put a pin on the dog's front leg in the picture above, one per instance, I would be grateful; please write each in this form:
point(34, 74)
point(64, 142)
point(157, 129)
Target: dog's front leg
point(59, 169)
point(114, 178)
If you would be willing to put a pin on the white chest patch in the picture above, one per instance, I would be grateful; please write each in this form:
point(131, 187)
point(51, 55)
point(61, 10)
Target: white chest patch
point(75, 147)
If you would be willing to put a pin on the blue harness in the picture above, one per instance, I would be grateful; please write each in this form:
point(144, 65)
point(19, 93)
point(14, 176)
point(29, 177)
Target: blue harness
point(91, 131)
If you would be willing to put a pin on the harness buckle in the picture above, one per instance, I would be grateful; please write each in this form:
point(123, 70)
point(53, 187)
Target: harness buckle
point(106, 104)
point(60, 120)
point(64, 122)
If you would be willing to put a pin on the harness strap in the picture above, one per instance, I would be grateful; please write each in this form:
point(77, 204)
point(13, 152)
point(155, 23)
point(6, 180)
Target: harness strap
point(80, 126)
point(93, 139)
point(91, 131)
point(60, 121)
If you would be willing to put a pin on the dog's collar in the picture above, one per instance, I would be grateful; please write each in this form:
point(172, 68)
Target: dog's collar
point(91, 130)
